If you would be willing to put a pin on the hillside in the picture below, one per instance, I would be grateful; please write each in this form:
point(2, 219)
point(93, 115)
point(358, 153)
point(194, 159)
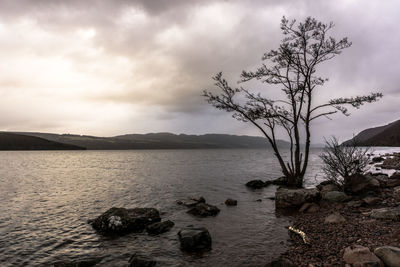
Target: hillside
point(158, 141)
point(387, 135)
point(10, 141)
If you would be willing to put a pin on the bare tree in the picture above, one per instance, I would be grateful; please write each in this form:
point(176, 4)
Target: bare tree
point(292, 67)
point(343, 161)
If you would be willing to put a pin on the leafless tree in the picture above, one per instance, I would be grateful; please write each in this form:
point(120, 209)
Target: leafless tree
point(292, 67)
point(343, 161)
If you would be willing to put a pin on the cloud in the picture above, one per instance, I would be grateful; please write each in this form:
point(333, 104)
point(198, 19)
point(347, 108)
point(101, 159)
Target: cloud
point(122, 58)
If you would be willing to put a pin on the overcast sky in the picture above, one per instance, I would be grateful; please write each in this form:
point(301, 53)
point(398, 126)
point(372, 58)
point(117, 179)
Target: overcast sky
point(113, 67)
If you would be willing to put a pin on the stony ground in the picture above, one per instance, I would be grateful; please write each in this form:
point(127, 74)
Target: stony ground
point(327, 241)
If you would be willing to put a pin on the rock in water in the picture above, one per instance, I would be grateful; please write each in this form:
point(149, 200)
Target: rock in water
point(204, 210)
point(293, 198)
point(191, 202)
point(195, 239)
point(140, 261)
point(159, 227)
point(360, 256)
point(121, 220)
point(389, 255)
point(231, 202)
point(255, 184)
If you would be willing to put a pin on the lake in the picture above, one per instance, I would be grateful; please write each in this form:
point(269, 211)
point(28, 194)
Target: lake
point(46, 198)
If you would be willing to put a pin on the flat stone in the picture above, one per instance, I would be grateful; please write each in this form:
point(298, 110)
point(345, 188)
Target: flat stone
point(255, 184)
point(370, 200)
point(309, 208)
point(335, 218)
point(360, 256)
point(386, 213)
point(335, 196)
point(389, 255)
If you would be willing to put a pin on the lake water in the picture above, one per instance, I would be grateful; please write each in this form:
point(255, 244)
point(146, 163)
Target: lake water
point(46, 198)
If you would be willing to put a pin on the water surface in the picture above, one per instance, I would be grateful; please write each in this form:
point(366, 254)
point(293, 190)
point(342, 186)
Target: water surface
point(46, 198)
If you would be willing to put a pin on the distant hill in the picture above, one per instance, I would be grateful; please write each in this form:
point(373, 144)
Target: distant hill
point(11, 141)
point(388, 135)
point(158, 141)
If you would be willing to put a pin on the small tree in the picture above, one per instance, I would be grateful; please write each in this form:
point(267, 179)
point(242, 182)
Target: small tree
point(292, 67)
point(343, 161)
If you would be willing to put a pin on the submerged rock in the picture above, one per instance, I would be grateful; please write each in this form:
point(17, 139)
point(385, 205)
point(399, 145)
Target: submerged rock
point(255, 184)
point(191, 202)
point(195, 239)
point(389, 255)
point(79, 263)
point(121, 220)
point(360, 256)
point(231, 202)
point(159, 227)
point(141, 261)
point(292, 198)
point(204, 210)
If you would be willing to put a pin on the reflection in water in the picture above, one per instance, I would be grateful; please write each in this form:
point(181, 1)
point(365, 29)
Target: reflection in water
point(46, 199)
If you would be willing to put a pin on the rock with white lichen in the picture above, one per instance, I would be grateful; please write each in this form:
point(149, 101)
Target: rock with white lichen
point(121, 220)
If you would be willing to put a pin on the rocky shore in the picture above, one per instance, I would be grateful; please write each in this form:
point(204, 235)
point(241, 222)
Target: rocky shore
point(358, 227)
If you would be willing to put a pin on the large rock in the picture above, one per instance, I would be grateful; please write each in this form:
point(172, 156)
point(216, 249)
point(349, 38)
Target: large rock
point(327, 186)
point(334, 196)
point(358, 184)
point(159, 227)
point(255, 184)
point(393, 180)
point(195, 239)
point(335, 218)
point(389, 255)
point(391, 163)
point(204, 210)
point(360, 256)
point(386, 213)
point(121, 220)
point(292, 198)
point(141, 261)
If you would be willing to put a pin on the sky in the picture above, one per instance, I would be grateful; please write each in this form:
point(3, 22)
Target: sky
point(114, 67)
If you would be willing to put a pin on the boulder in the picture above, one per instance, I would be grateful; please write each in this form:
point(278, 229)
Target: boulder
point(293, 198)
point(386, 213)
point(335, 218)
point(360, 256)
point(358, 184)
point(327, 186)
point(204, 210)
point(159, 227)
point(354, 204)
point(195, 239)
point(391, 163)
point(121, 220)
point(335, 196)
point(393, 180)
point(191, 202)
point(141, 261)
point(231, 202)
point(255, 184)
point(309, 208)
point(389, 255)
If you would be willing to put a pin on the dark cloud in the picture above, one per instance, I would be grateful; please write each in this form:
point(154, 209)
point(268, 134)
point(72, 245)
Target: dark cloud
point(172, 48)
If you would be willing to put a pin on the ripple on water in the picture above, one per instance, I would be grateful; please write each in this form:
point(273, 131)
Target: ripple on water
point(47, 198)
